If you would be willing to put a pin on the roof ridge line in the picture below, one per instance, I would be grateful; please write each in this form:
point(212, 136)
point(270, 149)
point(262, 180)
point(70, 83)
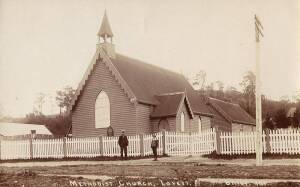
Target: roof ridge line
point(171, 93)
point(118, 76)
point(223, 101)
point(147, 63)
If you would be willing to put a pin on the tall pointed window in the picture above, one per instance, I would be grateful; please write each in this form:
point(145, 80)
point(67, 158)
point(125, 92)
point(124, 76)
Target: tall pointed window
point(102, 111)
point(182, 122)
point(200, 125)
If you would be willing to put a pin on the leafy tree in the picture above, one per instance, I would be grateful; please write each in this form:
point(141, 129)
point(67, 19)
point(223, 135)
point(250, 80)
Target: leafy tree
point(281, 119)
point(210, 90)
point(296, 119)
point(248, 84)
point(268, 122)
point(296, 96)
point(64, 97)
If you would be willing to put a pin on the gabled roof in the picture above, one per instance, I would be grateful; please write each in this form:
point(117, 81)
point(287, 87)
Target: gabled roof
point(105, 28)
point(147, 81)
point(170, 105)
point(231, 111)
point(143, 82)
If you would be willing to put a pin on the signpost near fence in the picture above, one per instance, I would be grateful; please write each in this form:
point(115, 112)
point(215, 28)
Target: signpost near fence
point(258, 34)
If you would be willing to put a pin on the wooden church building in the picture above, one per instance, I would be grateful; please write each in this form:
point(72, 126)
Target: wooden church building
point(121, 93)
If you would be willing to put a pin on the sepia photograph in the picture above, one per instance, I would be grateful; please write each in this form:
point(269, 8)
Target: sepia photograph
point(139, 93)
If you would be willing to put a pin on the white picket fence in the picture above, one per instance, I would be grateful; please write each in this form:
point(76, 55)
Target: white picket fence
point(276, 141)
point(147, 144)
point(171, 143)
point(180, 144)
point(15, 149)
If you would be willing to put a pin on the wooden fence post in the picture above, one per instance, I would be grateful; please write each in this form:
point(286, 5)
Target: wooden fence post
point(65, 146)
point(191, 147)
point(268, 141)
point(31, 148)
point(101, 146)
point(164, 142)
point(218, 140)
point(142, 145)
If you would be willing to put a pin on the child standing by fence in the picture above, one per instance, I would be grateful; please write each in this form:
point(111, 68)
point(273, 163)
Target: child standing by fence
point(154, 146)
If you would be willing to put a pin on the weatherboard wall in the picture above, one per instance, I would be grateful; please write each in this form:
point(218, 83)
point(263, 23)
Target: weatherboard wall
point(206, 122)
point(143, 119)
point(236, 127)
point(123, 112)
point(221, 125)
point(187, 118)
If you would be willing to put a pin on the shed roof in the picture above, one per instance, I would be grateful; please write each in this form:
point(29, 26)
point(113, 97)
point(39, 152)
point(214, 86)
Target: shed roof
point(232, 112)
point(13, 129)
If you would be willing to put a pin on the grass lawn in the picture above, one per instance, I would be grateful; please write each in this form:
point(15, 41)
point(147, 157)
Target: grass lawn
point(183, 173)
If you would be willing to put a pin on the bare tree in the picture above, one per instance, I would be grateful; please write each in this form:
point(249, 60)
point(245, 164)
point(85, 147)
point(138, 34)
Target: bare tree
point(220, 89)
point(40, 102)
point(199, 81)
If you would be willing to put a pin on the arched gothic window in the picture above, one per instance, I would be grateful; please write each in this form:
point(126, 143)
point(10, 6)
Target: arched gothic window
point(182, 120)
point(200, 125)
point(102, 111)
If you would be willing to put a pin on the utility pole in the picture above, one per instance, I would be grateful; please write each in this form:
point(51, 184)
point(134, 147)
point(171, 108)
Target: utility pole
point(258, 33)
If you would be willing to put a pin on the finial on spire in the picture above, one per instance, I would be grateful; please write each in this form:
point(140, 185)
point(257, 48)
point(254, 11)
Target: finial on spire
point(104, 33)
point(105, 29)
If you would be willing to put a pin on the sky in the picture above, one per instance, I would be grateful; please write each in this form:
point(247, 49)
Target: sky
point(46, 45)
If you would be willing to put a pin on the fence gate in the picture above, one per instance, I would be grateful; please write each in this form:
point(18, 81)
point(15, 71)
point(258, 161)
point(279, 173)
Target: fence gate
point(183, 144)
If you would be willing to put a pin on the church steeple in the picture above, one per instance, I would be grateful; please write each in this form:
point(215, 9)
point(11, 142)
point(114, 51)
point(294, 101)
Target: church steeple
point(105, 29)
point(104, 33)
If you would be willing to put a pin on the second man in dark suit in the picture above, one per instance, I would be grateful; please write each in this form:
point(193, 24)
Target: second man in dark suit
point(123, 143)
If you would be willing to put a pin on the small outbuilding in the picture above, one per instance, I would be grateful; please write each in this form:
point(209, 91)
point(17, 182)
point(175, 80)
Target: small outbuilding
point(23, 131)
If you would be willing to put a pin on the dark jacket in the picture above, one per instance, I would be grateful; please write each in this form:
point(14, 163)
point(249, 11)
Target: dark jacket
point(123, 141)
point(154, 143)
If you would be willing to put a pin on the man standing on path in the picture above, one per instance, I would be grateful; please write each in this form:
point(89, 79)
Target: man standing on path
point(123, 143)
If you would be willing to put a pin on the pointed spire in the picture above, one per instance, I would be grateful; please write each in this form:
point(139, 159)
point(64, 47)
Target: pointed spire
point(105, 30)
